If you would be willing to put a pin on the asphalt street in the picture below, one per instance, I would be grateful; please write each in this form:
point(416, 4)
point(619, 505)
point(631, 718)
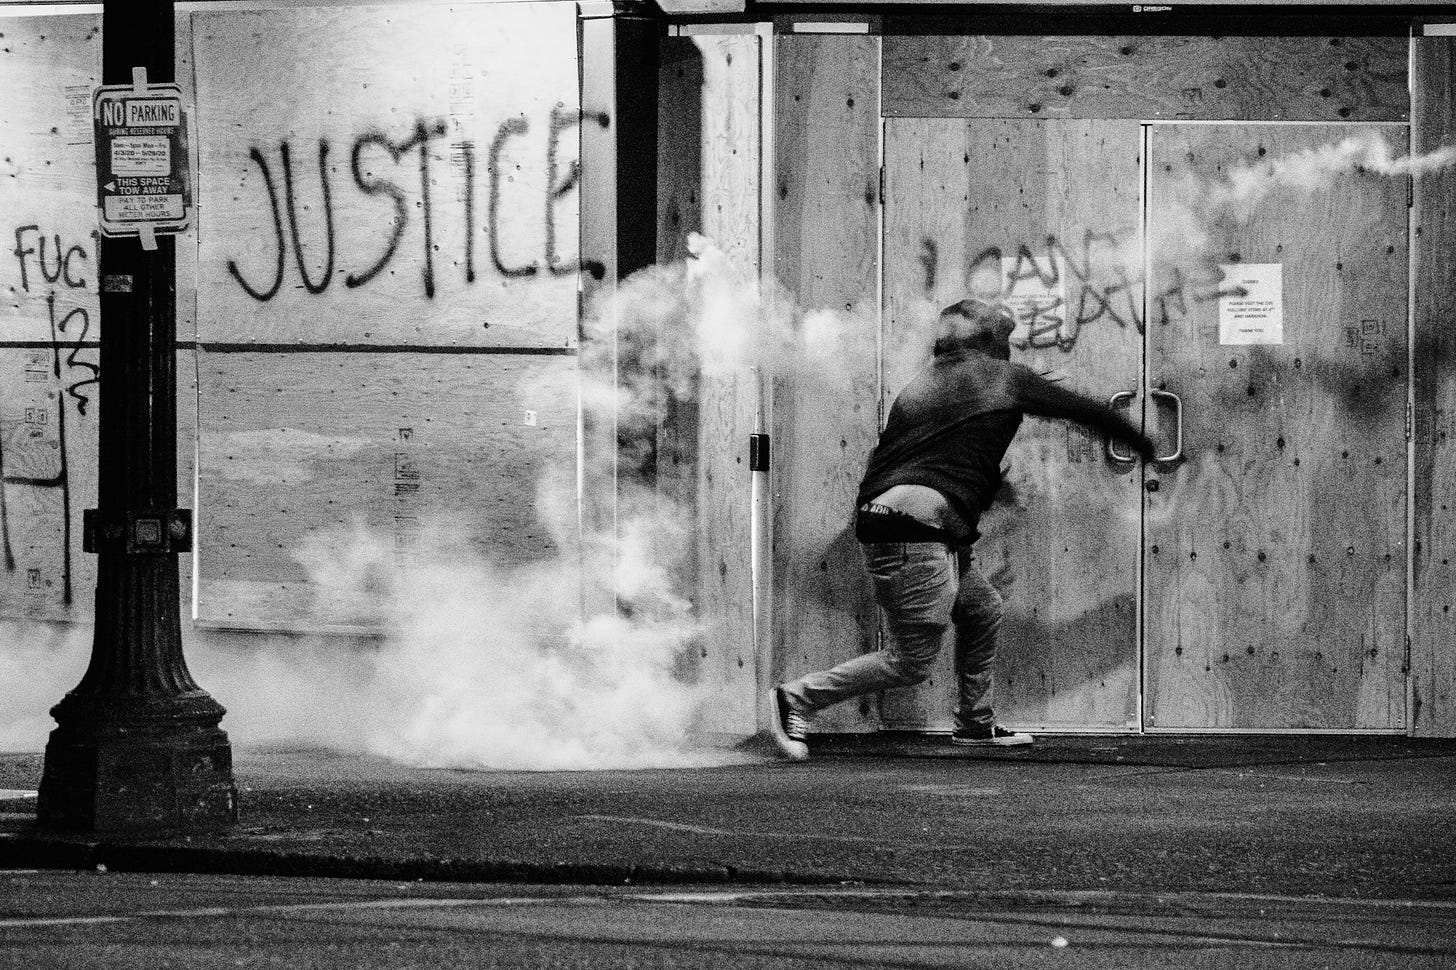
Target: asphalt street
point(882, 851)
point(1337, 818)
point(101, 919)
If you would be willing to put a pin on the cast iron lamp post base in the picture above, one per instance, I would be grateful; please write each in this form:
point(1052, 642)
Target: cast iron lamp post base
point(137, 746)
point(137, 778)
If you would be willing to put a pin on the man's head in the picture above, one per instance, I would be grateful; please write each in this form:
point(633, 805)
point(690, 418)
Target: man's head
point(975, 325)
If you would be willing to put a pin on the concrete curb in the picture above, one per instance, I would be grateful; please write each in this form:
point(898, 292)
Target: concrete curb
point(31, 852)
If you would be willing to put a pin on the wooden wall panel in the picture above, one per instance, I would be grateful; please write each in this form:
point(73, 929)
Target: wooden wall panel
point(1275, 559)
point(49, 318)
point(1433, 624)
point(187, 242)
point(601, 208)
point(708, 182)
point(406, 180)
point(680, 111)
point(48, 67)
point(292, 445)
point(996, 208)
point(50, 412)
point(449, 140)
point(1245, 78)
point(48, 454)
point(709, 116)
point(826, 227)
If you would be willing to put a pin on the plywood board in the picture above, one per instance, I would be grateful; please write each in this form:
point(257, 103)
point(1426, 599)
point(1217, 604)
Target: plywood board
point(187, 241)
point(48, 66)
point(297, 445)
point(388, 176)
point(680, 120)
point(985, 208)
point(1147, 77)
point(708, 183)
point(723, 590)
point(1433, 625)
point(600, 210)
point(1275, 591)
point(826, 126)
point(50, 320)
point(708, 118)
point(49, 421)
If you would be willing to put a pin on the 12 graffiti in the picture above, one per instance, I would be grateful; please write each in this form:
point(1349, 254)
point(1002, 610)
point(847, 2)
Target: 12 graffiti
point(32, 455)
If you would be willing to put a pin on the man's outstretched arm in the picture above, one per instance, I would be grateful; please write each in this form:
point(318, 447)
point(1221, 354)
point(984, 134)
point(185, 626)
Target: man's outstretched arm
point(1039, 396)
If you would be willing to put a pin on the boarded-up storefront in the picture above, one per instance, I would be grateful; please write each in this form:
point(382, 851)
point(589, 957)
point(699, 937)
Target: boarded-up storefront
point(402, 220)
point(403, 208)
point(1212, 231)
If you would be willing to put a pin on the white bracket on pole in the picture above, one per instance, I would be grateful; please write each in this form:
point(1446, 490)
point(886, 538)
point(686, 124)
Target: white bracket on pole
point(139, 80)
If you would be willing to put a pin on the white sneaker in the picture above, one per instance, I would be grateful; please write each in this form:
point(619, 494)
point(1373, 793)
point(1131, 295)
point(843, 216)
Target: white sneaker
point(789, 728)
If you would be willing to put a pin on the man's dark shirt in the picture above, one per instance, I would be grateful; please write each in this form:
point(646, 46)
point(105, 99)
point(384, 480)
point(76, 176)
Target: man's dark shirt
point(950, 428)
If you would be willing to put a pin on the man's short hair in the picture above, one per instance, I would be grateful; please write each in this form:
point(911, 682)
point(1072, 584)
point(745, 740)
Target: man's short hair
point(973, 324)
point(986, 314)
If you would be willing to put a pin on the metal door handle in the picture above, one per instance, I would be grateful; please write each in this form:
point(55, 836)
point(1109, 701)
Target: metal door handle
point(1112, 403)
point(1178, 442)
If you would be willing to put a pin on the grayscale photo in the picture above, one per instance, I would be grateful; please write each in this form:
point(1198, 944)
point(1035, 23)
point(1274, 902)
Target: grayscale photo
point(696, 484)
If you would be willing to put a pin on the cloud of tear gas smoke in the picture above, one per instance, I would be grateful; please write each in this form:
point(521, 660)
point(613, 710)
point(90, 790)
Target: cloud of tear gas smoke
point(38, 664)
point(481, 665)
point(1180, 229)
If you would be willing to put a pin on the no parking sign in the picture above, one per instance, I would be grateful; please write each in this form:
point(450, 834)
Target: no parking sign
point(141, 159)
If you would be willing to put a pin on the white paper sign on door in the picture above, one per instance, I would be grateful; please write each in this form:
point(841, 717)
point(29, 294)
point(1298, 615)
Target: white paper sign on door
point(1251, 304)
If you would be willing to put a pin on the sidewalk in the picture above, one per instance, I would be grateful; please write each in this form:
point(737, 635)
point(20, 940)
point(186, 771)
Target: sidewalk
point(1340, 817)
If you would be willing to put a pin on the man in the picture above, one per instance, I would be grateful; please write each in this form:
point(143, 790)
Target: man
point(936, 468)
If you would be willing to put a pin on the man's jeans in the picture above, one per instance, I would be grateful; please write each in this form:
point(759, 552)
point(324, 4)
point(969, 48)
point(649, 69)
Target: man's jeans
point(921, 589)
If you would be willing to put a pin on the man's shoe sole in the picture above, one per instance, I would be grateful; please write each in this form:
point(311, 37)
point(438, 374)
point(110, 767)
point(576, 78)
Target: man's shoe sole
point(788, 747)
point(993, 742)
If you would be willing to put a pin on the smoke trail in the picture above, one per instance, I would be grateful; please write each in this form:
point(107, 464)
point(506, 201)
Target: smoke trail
point(1181, 234)
point(1312, 169)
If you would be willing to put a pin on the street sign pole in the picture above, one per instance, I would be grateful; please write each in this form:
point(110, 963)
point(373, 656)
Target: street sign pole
point(137, 744)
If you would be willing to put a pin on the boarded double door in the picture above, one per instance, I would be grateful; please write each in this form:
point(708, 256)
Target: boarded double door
point(1242, 289)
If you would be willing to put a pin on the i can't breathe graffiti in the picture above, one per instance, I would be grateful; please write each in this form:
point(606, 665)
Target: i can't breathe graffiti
point(1058, 286)
point(443, 210)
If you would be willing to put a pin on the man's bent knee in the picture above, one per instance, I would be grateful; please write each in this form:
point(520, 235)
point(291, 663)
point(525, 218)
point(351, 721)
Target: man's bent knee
point(906, 673)
point(910, 658)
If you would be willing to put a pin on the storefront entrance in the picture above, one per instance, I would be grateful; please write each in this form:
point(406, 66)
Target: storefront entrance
point(1241, 287)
